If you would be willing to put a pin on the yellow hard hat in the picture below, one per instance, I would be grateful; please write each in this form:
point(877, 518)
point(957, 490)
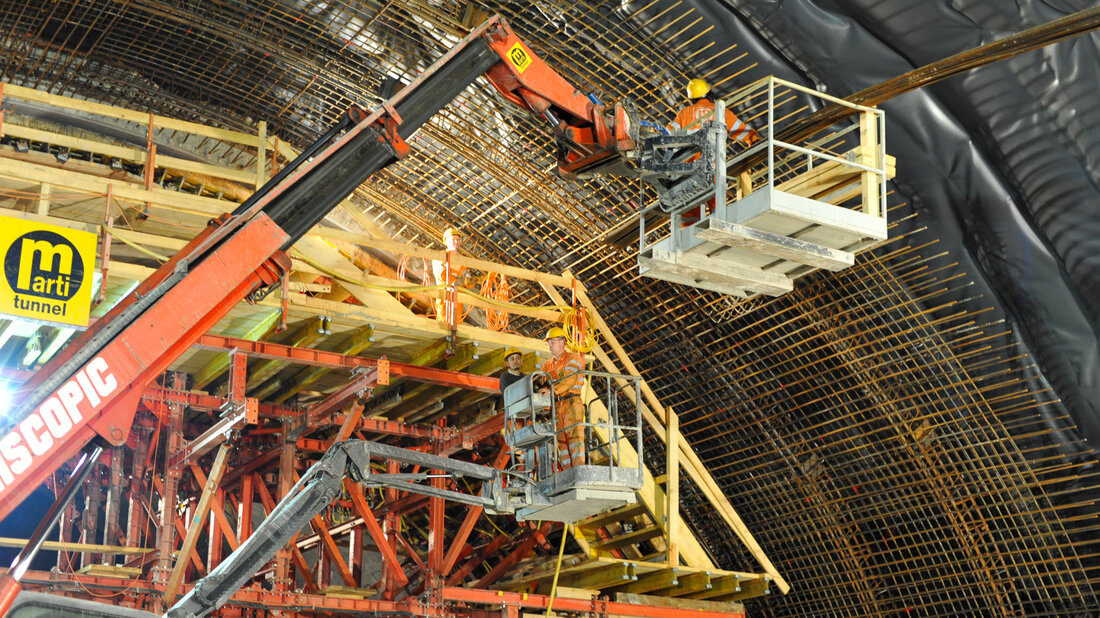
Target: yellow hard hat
point(510, 351)
point(451, 232)
point(555, 331)
point(698, 88)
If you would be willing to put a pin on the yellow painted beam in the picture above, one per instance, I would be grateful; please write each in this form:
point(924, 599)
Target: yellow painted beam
point(77, 547)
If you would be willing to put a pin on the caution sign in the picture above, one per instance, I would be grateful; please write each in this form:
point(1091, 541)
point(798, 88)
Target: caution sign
point(47, 271)
point(519, 57)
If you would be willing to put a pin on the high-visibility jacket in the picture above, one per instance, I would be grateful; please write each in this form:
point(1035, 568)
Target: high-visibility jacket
point(568, 363)
point(693, 116)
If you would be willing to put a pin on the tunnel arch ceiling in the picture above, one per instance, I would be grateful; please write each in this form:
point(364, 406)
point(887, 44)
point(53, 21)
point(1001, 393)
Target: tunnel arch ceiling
point(879, 430)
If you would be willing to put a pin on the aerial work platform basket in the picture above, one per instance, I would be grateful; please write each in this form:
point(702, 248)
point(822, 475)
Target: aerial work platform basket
point(811, 205)
point(551, 491)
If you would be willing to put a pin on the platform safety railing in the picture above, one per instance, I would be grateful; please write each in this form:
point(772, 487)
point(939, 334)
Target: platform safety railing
point(532, 427)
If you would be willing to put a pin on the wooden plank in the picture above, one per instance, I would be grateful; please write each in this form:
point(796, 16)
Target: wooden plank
point(784, 247)
point(159, 198)
point(648, 582)
point(653, 601)
point(398, 248)
point(687, 584)
point(128, 153)
point(260, 176)
point(726, 585)
point(43, 208)
point(416, 326)
point(672, 488)
point(29, 94)
point(599, 578)
point(817, 213)
point(218, 509)
point(630, 538)
point(868, 151)
point(76, 547)
point(750, 589)
point(202, 509)
point(629, 511)
point(691, 462)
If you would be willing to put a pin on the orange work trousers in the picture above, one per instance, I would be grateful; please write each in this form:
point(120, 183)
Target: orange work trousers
point(571, 440)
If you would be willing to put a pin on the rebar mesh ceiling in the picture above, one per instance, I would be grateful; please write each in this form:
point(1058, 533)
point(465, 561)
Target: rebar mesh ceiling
point(884, 441)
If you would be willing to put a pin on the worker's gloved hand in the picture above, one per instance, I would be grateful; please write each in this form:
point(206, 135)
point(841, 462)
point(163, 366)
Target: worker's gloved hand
point(753, 138)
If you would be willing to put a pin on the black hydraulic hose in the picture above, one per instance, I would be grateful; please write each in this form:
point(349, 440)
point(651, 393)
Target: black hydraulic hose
point(345, 122)
point(303, 205)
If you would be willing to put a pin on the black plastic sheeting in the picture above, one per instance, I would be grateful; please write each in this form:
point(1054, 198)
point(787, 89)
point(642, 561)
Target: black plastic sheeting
point(1002, 163)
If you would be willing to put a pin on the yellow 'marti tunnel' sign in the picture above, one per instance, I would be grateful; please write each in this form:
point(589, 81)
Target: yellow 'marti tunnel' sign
point(47, 271)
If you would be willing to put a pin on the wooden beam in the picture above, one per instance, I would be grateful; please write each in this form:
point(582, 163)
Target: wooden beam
point(399, 248)
point(734, 609)
point(157, 197)
point(695, 468)
point(630, 538)
point(303, 336)
point(128, 153)
point(218, 508)
point(648, 582)
point(359, 340)
point(408, 324)
point(601, 577)
point(687, 584)
point(202, 509)
point(77, 547)
point(209, 372)
point(672, 488)
point(110, 111)
point(724, 586)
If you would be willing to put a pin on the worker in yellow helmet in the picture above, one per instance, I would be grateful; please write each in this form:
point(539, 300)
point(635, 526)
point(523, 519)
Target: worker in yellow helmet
point(691, 118)
point(702, 109)
point(568, 387)
point(513, 360)
point(449, 274)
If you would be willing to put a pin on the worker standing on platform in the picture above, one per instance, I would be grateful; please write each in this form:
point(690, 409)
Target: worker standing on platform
point(691, 119)
point(564, 368)
point(448, 309)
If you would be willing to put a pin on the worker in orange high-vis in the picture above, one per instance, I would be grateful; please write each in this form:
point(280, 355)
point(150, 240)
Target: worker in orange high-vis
point(564, 368)
point(691, 119)
point(448, 274)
